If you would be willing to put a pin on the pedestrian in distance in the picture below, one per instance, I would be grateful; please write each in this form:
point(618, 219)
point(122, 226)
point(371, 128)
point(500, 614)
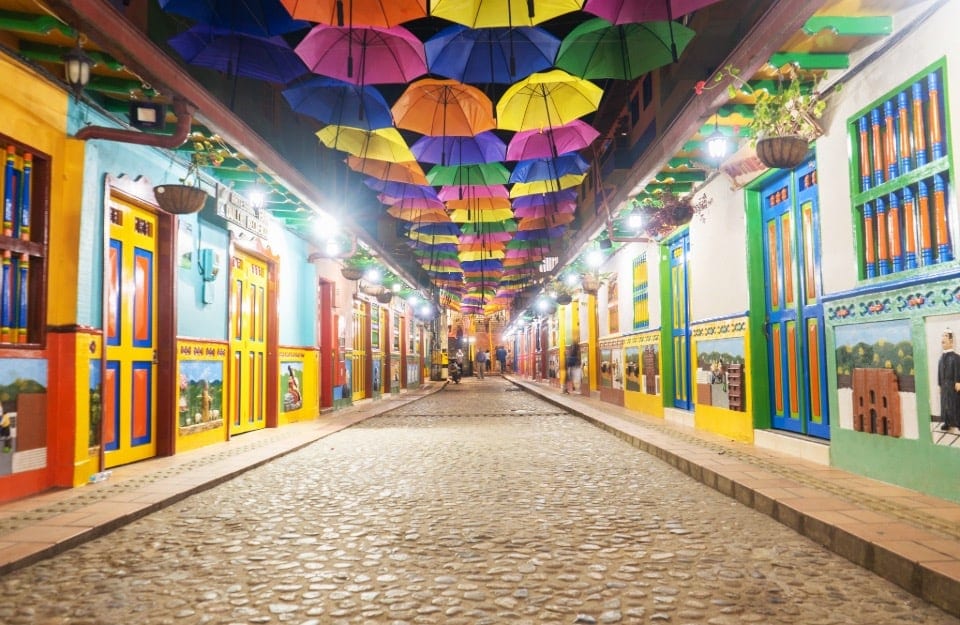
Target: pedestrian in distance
point(481, 363)
point(572, 363)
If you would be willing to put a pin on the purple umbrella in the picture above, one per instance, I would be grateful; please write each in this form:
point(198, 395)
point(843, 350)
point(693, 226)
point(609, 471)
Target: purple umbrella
point(370, 55)
point(263, 58)
point(401, 189)
point(490, 55)
point(484, 147)
point(551, 142)
point(545, 199)
point(635, 11)
point(261, 18)
point(472, 191)
point(545, 210)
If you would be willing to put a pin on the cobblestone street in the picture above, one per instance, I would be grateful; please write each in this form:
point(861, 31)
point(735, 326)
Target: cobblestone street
point(479, 504)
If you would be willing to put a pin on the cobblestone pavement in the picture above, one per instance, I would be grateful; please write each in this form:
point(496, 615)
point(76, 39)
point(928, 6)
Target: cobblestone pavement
point(477, 505)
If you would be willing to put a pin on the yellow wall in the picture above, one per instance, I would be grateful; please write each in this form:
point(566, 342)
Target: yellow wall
point(212, 430)
point(651, 405)
point(309, 388)
point(730, 423)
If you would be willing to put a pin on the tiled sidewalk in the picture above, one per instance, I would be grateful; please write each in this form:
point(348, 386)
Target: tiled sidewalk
point(904, 536)
point(907, 537)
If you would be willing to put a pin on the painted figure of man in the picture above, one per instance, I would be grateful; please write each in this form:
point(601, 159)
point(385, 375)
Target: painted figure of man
point(948, 379)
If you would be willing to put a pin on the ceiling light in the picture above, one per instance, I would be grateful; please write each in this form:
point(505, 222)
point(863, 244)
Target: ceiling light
point(717, 144)
point(635, 219)
point(76, 65)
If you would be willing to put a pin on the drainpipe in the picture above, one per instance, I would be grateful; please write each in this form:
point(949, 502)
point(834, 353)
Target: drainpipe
point(181, 109)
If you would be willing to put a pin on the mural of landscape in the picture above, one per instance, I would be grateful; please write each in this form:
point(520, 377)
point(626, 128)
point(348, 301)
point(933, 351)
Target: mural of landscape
point(23, 415)
point(201, 392)
point(632, 368)
point(720, 362)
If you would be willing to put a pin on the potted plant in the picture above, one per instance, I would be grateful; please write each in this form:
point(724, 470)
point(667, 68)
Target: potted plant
point(665, 211)
point(784, 121)
point(184, 198)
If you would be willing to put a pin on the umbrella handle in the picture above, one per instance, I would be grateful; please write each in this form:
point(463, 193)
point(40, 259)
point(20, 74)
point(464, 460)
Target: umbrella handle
point(339, 12)
point(530, 11)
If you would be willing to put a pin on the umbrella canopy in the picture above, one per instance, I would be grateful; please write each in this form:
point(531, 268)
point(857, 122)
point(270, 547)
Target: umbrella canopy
point(483, 174)
point(599, 49)
point(624, 11)
point(444, 108)
point(419, 215)
point(462, 215)
point(383, 144)
point(480, 204)
point(408, 172)
point(540, 235)
point(494, 13)
point(385, 13)
point(546, 100)
point(546, 186)
point(543, 211)
point(413, 204)
point(548, 168)
point(545, 199)
point(539, 223)
point(552, 141)
point(472, 191)
point(370, 55)
point(483, 229)
point(485, 147)
point(261, 18)
point(264, 58)
point(490, 55)
point(401, 190)
point(340, 103)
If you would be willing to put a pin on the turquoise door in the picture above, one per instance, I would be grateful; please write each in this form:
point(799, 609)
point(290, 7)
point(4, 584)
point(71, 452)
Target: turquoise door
point(680, 320)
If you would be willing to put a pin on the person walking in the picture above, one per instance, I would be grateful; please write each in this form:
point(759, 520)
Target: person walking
point(501, 354)
point(572, 363)
point(481, 363)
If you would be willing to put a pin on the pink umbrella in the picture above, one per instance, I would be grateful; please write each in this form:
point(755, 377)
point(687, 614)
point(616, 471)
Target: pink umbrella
point(411, 202)
point(370, 55)
point(486, 237)
point(551, 142)
point(635, 11)
point(472, 191)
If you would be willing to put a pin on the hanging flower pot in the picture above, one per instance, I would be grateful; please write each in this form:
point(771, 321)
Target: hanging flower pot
point(590, 283)
point(564, 298)
point(384, 296)
point(784, 152)
point(180, 199)
point(351, 273)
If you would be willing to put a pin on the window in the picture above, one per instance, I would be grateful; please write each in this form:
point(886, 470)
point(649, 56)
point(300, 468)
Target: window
point(23, 249)
point(901, 166)
point(641, 304)
point(613, 306)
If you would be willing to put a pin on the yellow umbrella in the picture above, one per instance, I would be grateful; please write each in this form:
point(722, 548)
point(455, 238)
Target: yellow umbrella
point(546, 100)
point(469, 255)
point(425, 215)
point(484, 216)
point(383, 144)
point(496, 13)
point(433, 239)
point(546, 186)
point(480, 204)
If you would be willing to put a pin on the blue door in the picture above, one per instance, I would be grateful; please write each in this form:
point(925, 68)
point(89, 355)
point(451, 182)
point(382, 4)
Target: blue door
point(794, 312)
point(680, 320)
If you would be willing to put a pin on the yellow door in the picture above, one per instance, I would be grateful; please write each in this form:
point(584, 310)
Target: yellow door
point(248, 344)
point(130, 277)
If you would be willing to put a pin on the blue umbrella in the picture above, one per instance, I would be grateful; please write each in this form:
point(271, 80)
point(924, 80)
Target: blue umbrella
point(261, 18)
point(440, 228)
point(340, 103)
point(547, 234)
point(402, 190)
point(264, 58)
point(549, 168)
point(484, 147)
point(490, 55)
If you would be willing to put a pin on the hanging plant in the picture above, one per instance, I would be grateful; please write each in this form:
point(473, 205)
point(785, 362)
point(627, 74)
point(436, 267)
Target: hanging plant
point(184, 198)
point(351, 273)
point(665, 211)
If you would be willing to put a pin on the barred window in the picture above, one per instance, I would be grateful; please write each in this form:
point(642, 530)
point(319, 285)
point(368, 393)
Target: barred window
point(641, 304)
point(902, 168)
point(23, 246)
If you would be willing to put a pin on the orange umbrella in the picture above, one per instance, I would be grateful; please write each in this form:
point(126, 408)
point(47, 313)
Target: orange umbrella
point(422, 215)
point(480, 203)
point(444, 108)
point(384, 13)
point(542, 223)
point(409, 172)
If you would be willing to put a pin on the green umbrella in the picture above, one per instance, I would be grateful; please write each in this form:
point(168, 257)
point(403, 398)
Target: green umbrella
point(482, 174)
point(508, 225)
point(599, 49)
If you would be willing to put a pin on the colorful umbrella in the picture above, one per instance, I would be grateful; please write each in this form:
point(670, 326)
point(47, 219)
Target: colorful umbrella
point(490, 55)
point(461, 215)
point(598, 49)
point(480, 204)
point(545, 199)
point(509, 13)
point(264, 58)
point(624, 11)
point(485, 147)
point(551, 142)
point(333, 101)
point(543, 211)
point(383, 144)
point(369, 55)
point(539, 223)
point(540, 235)
point(408, 172)
point(412, 204)
point(443, 108)
point(546, 100)
point(419, 215)
point(261, 18)
point(483, 174)
point(472, 191)
point(548, 168)
point(546, 186)
point(401, 190)
point(384, 13)
point(484, 228)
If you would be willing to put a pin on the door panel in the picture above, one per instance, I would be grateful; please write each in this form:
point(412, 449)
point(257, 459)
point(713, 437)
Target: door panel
point(248, 344)
point(794, 314)
point(131, 327)
point(680, 321)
